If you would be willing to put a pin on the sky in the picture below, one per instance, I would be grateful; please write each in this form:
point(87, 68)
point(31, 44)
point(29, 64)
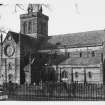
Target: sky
point(65, 16)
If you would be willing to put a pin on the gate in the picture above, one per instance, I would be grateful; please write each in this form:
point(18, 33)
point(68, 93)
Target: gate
point(59, 91)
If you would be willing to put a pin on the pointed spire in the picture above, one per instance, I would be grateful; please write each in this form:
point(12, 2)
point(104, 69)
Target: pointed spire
point(34, 8)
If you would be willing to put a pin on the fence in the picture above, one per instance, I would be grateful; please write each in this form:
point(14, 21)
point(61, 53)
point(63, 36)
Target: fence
point(58, 90)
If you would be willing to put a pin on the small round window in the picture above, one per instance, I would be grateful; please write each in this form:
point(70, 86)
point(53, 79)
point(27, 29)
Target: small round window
point(9, 50)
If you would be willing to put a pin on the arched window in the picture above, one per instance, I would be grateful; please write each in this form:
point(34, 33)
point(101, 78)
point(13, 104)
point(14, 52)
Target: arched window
point(93, 53)
point(24, 27)
point(68, 54)
point(76, 74)
point(64, 74)
point(80, 54)
point(90, 74)
point(42, 28)
point(30, 27)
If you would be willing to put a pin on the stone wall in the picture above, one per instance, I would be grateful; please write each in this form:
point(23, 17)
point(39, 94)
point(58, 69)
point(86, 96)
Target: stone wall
point(10, 65)
point(81, 74)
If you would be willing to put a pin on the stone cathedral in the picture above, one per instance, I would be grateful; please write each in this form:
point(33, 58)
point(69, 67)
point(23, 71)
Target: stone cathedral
point(27, 57)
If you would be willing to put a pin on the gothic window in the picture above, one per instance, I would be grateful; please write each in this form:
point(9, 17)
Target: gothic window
point(24, 27)
point(76, 74)
point(90, 74)
point(43, 28)
point(80, 54)
point(35, 27)
point(9, 66)
point(93, 53)
point(30, 27)
point(68, 54)
point(64, 74)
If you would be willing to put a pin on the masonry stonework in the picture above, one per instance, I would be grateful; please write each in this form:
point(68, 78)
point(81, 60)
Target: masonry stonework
point(31, 56)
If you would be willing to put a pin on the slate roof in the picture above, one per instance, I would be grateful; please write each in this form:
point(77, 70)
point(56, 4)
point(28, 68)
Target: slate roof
point(26, 40)
point(90, 38)
point(85, 61)
point(14, 35)
point(81, 61)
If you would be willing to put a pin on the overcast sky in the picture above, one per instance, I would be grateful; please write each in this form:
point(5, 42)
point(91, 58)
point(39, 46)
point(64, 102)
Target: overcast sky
point(65, 16)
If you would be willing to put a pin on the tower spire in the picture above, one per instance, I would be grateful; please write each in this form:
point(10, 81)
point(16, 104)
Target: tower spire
point(34, 23)
point(34, 8)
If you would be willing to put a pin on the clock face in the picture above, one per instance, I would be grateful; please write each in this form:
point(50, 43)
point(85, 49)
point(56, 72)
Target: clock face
point(9, 50)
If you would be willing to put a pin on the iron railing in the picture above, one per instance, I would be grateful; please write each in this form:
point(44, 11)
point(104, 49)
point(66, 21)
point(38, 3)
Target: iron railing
point(58, 90)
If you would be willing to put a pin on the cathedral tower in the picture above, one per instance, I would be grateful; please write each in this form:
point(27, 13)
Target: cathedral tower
point(34, 23)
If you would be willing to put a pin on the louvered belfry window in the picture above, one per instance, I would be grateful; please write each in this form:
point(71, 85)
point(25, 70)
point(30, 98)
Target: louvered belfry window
point(30, 27)
point(24, 27)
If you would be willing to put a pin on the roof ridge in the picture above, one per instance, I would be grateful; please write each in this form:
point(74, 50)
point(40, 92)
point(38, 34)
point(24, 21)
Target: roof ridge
point(21, 34)
point(68, 34)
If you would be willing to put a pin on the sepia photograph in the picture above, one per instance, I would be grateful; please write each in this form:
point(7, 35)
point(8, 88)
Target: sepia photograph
point(52, 50)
